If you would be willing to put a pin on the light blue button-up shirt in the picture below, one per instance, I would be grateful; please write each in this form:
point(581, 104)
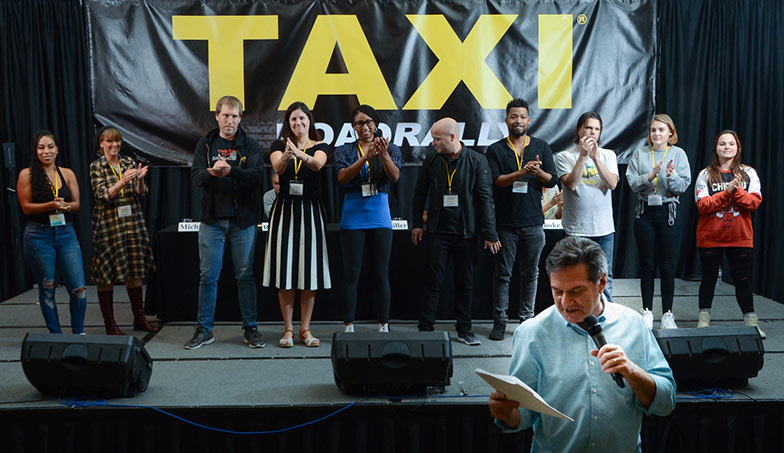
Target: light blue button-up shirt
point(553, 357)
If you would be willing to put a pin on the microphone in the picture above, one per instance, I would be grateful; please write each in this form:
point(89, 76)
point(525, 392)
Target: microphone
point(595, 331)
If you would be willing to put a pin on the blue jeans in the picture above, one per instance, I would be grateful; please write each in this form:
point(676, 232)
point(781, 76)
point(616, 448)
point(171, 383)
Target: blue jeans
point(607, 243)
point(48, 250)
point(523, 245)
point(212, 241)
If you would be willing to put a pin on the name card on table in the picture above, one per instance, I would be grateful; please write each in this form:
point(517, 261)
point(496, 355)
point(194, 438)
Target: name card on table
point(553, 224)
point(399, 224)
point(188, 226)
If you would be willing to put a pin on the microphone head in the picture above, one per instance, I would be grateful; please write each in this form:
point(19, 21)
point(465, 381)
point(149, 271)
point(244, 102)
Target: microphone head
point(592, 325)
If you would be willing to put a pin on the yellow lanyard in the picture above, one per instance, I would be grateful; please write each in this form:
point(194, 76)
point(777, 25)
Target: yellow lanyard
point(366, 162)
point(448, 176)
point(119, 168)
point(653, 163)
point(298, 161)
point(55, 189)
point(519, 158)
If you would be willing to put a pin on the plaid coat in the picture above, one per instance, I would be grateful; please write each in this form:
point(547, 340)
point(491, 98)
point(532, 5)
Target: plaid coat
point(121, 246)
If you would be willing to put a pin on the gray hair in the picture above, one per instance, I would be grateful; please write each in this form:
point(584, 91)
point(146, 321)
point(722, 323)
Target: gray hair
point(574, 250)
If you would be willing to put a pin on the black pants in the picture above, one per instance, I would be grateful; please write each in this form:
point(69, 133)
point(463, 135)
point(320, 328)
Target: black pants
point(440, 247)
point(657, 243)
point(740, 268)
point(378, 242)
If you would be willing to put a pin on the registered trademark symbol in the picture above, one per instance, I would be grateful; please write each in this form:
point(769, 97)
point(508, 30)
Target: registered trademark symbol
point(582, 19)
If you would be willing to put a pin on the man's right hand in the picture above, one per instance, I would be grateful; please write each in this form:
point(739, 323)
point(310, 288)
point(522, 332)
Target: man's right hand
point(416, 235)
point(504, 409)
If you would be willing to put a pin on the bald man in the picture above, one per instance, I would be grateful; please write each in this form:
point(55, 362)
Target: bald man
point(457, 181)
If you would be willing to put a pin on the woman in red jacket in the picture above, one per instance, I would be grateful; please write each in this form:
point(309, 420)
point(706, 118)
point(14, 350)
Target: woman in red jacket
point(727, 192)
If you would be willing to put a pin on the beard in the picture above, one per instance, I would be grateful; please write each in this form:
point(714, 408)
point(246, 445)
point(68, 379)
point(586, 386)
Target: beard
point(518, 131)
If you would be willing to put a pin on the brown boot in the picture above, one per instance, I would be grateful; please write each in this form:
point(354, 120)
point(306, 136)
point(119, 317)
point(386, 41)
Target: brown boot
point(137, 306)
point(107, 310)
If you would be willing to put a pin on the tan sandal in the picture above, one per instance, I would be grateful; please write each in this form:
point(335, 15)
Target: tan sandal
point(311, 341)
point(287, 342)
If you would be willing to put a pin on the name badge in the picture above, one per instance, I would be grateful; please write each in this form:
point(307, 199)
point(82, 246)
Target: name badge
point(124, 211)
point(450, 201)
point(296, 188)
point(520, 186)
point(654, 199)
point(57, 219)
point(368, 190)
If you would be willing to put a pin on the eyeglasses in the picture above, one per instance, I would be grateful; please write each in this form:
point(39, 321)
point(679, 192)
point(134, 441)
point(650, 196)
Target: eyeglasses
point(368, 123)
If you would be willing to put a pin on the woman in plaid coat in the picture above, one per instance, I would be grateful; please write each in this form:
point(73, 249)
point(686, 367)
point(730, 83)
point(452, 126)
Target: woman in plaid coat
point(121, 246)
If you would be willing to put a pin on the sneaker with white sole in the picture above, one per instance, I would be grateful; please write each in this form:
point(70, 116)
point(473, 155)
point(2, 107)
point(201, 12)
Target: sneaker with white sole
point(647, 316)
point(384, 328)
point(253, 338)
point(468, 338)
point(752, 320)
point(200, 338)
point(349, 328)
point(668, 321)
point(703, 319)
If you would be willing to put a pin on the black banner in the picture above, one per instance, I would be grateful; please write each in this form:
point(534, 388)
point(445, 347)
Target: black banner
point(158, 67)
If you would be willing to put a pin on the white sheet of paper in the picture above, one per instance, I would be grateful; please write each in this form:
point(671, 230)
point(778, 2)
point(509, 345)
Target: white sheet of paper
point(517, 390)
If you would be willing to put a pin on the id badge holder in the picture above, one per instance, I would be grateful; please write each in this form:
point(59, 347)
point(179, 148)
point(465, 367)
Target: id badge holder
point(124, 211)
point(654, 199)
point(450, 201)
point(368, 190)
point(57, 219)
point(296, 188)
point(520, 186)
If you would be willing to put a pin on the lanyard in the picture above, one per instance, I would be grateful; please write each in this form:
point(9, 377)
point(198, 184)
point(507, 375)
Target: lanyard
point(448, 176)
point(298, 161)
point(653, 162)
point(119, 168)
point(366, 162)
point(55, 189)
point(519, 158)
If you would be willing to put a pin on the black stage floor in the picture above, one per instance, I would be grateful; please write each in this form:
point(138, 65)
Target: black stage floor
point(229, 378)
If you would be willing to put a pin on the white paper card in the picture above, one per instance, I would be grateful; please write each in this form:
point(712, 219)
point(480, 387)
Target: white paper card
point(450, 201)
point(57, 219)
point(188, 226)
point(124, 211)
point(517, 390)
point(520, 187)
point(296, 188)
point(399, 224)
point(654, 200)
point(368, 190)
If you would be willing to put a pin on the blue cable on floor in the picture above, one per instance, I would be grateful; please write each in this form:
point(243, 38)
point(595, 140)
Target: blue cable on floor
point(714, 393)
point(79, 403)
point(73, 402)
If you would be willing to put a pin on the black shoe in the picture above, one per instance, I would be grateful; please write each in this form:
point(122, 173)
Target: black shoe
point(497, 334)
point(200, 338)
point(253, 338)
point(468, 338)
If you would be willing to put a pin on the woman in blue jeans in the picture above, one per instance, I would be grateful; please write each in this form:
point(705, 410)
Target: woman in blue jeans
point(49, 195)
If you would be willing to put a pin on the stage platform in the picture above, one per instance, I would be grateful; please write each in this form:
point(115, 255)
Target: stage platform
point(228, 385)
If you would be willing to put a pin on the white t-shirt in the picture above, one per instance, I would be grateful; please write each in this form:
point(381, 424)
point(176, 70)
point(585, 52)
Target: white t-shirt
point(587, 210)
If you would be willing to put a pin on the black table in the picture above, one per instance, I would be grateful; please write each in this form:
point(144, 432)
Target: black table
point(172, 291)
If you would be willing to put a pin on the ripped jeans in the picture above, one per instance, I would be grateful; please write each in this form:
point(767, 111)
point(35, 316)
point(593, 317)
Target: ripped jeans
point(49, 250)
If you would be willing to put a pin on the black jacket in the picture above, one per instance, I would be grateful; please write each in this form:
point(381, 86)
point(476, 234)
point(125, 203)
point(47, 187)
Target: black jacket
point(241, 187)
point(472, 185)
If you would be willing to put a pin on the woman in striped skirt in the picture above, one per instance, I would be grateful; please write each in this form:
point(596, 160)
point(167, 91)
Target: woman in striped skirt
point(296, 253)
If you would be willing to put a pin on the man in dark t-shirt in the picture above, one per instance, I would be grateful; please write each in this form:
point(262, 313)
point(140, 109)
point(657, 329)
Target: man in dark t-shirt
point(520, 166)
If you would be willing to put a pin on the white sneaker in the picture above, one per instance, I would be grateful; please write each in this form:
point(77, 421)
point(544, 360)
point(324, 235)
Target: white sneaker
point(349, 328)
point(668, 321)
point(384, 328)
point(703, 319)
point(752, 320)
point(647, 316)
